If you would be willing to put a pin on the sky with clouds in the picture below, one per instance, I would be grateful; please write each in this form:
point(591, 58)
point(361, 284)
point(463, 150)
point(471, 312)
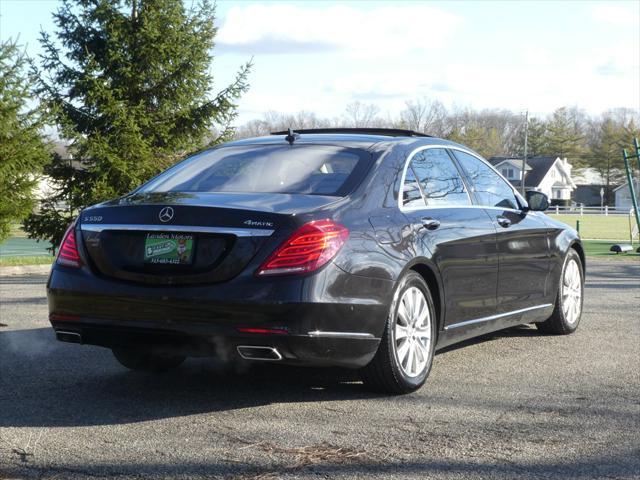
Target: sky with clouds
point(319, 56)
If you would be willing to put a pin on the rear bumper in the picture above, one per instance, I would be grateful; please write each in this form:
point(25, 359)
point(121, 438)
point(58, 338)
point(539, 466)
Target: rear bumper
point(316, 327)
point(309, 350)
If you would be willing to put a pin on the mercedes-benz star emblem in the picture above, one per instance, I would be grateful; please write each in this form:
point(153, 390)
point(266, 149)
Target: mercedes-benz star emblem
point(166, 214)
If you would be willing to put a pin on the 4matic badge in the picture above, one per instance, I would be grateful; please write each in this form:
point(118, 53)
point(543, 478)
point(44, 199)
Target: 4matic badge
point(254, 223)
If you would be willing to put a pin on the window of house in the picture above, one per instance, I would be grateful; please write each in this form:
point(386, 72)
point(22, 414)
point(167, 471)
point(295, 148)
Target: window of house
point(508, 173)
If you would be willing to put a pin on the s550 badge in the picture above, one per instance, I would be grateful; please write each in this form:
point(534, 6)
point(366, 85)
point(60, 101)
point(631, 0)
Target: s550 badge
point(92, 218)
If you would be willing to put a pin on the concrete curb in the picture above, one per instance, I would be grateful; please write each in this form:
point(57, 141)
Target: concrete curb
point(25, 270)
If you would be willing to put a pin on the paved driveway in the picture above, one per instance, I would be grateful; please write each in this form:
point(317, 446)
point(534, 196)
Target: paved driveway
point(512, 404)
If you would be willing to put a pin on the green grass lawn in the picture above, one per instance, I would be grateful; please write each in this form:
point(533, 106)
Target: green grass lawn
point(25, 260)
point(599, 227)
point(600, 249)
point(24, 247)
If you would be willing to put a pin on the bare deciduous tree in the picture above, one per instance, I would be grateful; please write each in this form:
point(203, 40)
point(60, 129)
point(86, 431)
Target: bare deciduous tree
point(358, 114)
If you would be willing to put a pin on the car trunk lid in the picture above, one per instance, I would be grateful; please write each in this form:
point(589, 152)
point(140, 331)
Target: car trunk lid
point(178, 238)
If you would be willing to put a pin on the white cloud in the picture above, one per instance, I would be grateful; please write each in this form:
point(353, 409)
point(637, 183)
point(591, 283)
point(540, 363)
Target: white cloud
point(619, 14)
point(289, 28)
point(389, 54)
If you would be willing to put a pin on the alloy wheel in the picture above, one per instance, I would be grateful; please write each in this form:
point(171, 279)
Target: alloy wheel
point(413, 332)
point(572, 292)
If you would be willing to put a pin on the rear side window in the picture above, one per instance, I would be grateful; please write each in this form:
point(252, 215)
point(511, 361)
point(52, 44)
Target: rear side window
point(411, 195)
point(489, 188)
point(439, 179)
point(303, 169)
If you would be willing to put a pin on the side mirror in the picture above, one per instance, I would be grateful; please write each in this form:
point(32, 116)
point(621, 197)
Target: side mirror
point(538, 201)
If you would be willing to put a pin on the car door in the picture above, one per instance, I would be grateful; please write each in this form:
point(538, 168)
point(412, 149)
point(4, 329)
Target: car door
point(523, 247)
point(460, 238)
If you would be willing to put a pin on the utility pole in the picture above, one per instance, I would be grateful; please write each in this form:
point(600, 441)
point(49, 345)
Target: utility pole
point(524, 158)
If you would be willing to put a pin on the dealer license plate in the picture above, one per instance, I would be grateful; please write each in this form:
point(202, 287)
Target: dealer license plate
point(168, 248)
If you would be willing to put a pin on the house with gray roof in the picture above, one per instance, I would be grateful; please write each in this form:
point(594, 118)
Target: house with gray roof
point(550, 175)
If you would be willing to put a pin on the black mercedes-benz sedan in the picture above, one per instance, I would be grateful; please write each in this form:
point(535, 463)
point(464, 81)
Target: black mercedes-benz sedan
point(360, 248)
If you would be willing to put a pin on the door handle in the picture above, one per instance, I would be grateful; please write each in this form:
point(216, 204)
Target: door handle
point(503, 221)
point(430, 223)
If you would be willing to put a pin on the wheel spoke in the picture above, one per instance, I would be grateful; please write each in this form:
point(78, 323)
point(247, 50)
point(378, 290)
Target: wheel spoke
point(408, 303)
point(410, 358)
point(414, 304)
point(423, 349)
point(416, 358)
point(420, 308)
point(403, 314)
point(422, 316)
point(403, 349)
point(401, 332)
point(420, 359)
point(423, 331)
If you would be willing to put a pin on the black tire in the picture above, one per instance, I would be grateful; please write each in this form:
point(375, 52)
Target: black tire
point(559, 323)
point(142, 361)
point(385, 373)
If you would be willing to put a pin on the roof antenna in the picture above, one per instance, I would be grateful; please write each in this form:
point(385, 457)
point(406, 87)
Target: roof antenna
point(291, 136)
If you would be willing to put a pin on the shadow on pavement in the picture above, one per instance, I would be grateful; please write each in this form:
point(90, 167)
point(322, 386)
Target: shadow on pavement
point(47, 383)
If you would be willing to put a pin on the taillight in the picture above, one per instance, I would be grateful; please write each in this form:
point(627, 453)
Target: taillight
point(307, 249)
point(68, 254)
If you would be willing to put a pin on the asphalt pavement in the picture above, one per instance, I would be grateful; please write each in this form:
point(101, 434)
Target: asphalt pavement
point(514, 404)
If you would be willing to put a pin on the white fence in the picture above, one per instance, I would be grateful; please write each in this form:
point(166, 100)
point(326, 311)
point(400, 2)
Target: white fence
point(579, 210)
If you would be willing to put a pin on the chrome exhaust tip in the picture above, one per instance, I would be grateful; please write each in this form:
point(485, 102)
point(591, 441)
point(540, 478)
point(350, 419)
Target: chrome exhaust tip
point(70, 337)
point(252, 352)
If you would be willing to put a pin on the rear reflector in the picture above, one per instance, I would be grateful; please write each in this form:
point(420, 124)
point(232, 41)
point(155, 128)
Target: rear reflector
point(68, 254)
point(263, 331)
point(306, 250)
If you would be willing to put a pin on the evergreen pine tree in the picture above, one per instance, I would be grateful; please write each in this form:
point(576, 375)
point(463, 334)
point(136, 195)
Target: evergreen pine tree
point(22, 148)
point(606, 154)
point(132, 94)
point(564, 137)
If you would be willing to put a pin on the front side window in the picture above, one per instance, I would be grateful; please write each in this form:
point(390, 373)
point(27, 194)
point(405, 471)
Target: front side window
point(439, 178)
point(304, 169)
point(490, 189)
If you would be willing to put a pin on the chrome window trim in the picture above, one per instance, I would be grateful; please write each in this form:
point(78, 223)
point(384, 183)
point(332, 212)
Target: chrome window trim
point(413, 209)
point(238, 232)
point(496, 317)
point(471, 205)
point(321, 334)
point(404, 174)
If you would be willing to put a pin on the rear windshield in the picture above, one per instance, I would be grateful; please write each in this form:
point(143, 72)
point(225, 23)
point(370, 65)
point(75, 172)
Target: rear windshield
point(304, 169)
